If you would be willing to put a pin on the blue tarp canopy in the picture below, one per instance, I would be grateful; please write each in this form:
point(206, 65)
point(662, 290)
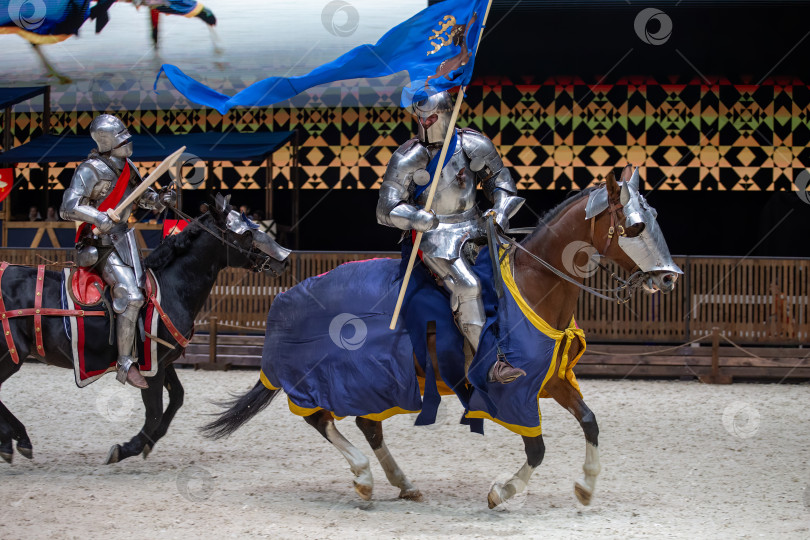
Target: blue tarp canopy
point(206, 146)
point(11, 96)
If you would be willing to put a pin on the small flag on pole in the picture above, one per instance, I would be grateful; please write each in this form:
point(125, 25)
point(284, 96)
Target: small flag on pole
point(436, 47)
point(173, 226)
point(6, 182)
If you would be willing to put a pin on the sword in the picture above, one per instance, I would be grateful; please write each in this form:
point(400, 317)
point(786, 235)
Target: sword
point(165, 165)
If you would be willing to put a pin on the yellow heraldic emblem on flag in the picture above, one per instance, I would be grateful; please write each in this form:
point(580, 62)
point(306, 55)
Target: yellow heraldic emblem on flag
point(450, 33)
point(438, 39)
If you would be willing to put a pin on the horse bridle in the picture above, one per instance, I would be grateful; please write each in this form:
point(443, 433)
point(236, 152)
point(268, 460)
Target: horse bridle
point(625, 289)
point(260, 262)
point(614, 220)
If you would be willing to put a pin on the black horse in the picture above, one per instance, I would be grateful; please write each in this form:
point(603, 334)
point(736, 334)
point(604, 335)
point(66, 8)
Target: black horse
point(186, 267)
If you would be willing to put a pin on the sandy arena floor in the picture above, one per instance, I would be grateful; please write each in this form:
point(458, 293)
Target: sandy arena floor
point(679, 459)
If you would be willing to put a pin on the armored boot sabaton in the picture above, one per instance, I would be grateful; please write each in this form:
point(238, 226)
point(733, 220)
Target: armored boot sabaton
point(128, 371)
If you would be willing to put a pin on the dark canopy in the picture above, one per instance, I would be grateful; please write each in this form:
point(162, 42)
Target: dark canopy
point(206, 146)
point(12, 96)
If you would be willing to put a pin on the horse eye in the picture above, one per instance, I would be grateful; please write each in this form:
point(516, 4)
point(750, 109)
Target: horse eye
point(634, 230)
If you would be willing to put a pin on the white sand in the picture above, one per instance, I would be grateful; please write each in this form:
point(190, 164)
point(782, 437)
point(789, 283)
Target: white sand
point(673, 466)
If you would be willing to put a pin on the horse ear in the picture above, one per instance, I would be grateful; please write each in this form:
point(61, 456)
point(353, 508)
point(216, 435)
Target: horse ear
point(635, 180)
point(613, 188)
point(625, 196)
point(627, 173)
point(221, 203)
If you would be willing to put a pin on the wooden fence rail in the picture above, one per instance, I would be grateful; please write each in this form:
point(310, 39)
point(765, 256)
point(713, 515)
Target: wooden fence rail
point(754, 301)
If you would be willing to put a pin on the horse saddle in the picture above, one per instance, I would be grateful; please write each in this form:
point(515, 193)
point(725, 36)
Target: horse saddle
point(85, 286)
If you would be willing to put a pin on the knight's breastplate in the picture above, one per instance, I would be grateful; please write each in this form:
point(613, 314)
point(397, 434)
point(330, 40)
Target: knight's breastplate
point(107, 180)
point(456, 189)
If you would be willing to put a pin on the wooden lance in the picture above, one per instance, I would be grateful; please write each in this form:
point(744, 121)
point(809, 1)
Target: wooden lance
point(447, 138)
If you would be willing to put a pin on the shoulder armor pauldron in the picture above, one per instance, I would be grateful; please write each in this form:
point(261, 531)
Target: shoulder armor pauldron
point(103, 171)
point(408, 158)
point(483, 156)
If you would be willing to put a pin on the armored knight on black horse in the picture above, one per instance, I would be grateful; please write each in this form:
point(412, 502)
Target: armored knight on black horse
point(99, 184)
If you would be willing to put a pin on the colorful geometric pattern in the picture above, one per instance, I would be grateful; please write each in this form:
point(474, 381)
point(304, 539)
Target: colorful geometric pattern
point(562, 134)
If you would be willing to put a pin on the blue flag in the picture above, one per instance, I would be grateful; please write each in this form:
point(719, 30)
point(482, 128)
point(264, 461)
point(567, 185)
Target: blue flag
point(436, 47)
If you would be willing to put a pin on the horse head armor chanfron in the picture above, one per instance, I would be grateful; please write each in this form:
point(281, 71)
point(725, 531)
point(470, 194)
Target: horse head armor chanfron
point(265, 253)
point(645, 245)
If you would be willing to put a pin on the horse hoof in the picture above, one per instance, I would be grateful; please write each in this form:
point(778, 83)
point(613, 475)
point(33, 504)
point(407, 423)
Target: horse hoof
point(583, 492)
point(25, 450)
point(364, 491)
point(7, 451)
point(114, 455)
point(493, 500)
point(411, 495)
point(147, 449)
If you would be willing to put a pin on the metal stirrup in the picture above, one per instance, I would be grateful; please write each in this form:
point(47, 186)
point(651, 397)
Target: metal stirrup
point(124, 365)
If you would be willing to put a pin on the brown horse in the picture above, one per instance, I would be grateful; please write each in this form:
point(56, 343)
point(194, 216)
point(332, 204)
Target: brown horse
point(615, 221)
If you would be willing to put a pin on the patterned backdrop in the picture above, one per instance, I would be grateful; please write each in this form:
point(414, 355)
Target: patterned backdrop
point(557, 135)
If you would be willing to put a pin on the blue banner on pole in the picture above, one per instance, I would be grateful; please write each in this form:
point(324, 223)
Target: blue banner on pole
point(436, 47)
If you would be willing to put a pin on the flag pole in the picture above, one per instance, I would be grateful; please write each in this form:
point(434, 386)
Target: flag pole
point(432, 191)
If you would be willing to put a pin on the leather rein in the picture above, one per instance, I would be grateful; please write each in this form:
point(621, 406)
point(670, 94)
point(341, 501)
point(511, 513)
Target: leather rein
point(620, 294)
point(260, 261)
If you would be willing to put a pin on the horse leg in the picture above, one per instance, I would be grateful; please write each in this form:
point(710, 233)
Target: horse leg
point(10, 427)
point(373, 431)
point(567, 396)
point(51, 71)
point(358, 463)
point(153, 403)
point(535, 450)
point(154, 19)
point(218, 49)
point(176, 395)
point(18, 432)
point(208, 17)
point(6, 436)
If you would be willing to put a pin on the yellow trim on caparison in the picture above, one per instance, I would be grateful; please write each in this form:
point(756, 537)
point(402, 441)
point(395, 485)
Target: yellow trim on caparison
point(196, 11)
point(528, 312)
point(266, 382)
point(565, 368)
point(379, 417)
point(520, 430)
point(35, 39)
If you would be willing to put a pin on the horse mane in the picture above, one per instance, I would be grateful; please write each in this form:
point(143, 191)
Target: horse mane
point(553, 213)
point(172, 247)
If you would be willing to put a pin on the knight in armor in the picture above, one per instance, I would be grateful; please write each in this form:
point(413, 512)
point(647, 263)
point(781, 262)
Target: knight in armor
point(100, 183)
point(454, 226)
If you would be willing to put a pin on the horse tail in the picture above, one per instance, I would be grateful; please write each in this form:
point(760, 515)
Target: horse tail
point(240, 410)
